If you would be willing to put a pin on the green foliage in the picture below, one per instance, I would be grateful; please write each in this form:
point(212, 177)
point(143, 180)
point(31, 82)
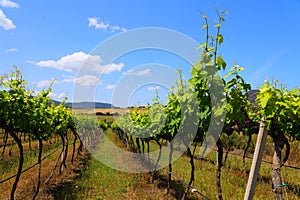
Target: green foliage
point(32, 114)
point(237, 97)
point(103, 125)
point(280, 107)
point(87, 126)
point(204, 98)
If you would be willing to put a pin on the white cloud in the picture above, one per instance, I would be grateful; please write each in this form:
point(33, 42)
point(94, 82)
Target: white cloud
point(80, 60)
point(5, 22)
point(110, 87)
point(62, 95)
point(153, 88)
point(107, 69)
point(46, 83)
point(11, 50)
point(117, 28)
point(52, 95)
point(85, 80)
point(67, 76)
point(99, 24)
point(138, 73)
point(69, 80)
point(8, 4)
point(57, 96)
point(70, 63)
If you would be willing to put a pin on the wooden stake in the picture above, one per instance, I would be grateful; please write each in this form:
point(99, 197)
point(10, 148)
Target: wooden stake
point(259, 149)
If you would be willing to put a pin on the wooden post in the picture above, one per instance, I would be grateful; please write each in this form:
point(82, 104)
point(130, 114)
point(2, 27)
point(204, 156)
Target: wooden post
point(259, 149)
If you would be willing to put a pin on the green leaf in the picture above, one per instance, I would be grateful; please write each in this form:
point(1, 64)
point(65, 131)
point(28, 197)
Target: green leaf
point(224, 11)
point(210, 49)
point(201, 46)
point(265, 99)
point(230, 83)
point(228, 75)
point(218, 25)
point(220, 39)
point(205, 26)
point(239, 69)
point(221, 63)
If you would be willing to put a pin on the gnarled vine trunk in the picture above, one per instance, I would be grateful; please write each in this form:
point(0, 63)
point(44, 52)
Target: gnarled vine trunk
point(246, 148)
point(219, 166)
point(137, 140)
point(5, 142)
point(40, 143)
point(192, 176)
point(62, 154)
point(21, 158)
point(279, 141)
point(74, 145)
point(158, 159)
point(170, 166)
point(66, 150)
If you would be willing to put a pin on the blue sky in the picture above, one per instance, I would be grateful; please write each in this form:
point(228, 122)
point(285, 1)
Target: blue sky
point(50, 39)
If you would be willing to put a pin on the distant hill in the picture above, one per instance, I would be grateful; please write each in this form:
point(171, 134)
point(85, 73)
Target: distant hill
point(85, 105)
point(90, 105)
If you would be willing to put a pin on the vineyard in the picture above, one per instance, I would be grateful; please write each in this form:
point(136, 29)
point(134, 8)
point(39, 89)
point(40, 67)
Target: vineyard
point(209, 122)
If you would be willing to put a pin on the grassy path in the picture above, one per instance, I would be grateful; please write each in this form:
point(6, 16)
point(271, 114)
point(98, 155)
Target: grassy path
point(97, 181)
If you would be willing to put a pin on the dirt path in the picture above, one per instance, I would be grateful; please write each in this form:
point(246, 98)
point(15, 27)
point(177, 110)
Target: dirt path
point(28, 181)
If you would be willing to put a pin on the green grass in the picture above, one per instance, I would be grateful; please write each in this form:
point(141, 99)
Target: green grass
point(234, 180)
point(235, 175)
point(106, 118)
point(98, 181)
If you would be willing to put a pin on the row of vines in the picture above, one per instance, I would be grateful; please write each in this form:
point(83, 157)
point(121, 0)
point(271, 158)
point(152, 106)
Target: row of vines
point(26, 116)
point(196, 112)
point(213, 103)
